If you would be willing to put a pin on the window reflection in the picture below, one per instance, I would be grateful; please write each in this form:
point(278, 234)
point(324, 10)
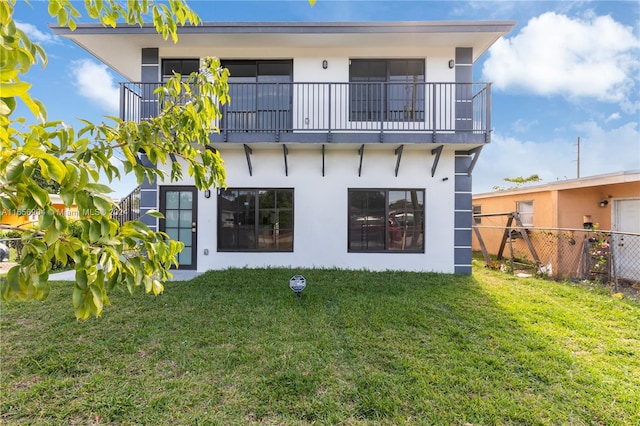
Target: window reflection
point(255, 219)
point(387, 90)
point(382, 220)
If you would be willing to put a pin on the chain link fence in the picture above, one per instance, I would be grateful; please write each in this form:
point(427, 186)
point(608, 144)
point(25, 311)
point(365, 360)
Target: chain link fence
point(563, 254)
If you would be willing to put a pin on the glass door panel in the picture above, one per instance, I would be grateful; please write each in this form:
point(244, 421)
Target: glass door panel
point(179, 206)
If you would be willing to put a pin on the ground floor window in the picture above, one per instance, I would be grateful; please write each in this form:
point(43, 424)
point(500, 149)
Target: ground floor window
point(382, 220)
point(255, 219)
point(525, 210)
point(477, 211)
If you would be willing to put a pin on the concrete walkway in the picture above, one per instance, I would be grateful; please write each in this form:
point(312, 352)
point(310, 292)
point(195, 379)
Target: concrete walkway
point(178, 275)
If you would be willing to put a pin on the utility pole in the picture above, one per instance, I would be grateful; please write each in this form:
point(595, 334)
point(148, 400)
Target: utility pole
point(578, 157)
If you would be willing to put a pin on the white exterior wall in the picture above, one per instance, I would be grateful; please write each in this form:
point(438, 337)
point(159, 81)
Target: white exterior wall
point(307, 63)
point(320, 205)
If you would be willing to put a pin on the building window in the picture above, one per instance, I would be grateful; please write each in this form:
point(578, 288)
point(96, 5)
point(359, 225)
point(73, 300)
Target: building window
point(184, 67)
point(255, 220)
point(477, 210)
point(387, 89)
point(261, 95)
point(386, 220)
point(525, 211)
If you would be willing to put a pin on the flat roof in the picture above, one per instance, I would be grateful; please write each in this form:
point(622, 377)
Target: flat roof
point(301, 27)
point(582, 182)
point(117, 46)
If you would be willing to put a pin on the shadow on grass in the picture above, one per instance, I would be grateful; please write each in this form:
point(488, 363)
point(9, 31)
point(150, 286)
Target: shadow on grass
point(237, 347)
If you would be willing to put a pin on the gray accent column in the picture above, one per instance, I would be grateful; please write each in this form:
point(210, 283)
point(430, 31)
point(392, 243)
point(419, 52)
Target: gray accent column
point(150, 73)
point(464, 92)
point(463, 214)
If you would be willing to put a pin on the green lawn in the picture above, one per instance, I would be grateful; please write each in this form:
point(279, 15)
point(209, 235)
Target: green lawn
point(359, 348)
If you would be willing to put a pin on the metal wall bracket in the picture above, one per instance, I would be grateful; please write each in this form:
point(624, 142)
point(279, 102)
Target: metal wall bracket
point(398, 152)
point(285, 152)
point(437, 152)
point(247, 153)
point(476, 153)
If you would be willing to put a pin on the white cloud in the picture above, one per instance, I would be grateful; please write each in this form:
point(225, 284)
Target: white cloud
point(595, 57)
point(601, 151)
point(35, 35)
point(605, 151)
point(523, 126)
point(95, 83)
point(614, 116)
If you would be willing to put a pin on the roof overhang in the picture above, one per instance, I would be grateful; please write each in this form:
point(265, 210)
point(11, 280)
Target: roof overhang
point(114, 46)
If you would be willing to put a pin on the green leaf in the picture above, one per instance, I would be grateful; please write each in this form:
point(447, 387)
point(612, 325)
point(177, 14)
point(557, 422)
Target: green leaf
point(53, 9)
point(97, 299)
point(46, 219)
point(12, 285)
point(98, 188)
point(15, 168)
point(81, 278)
point(103, 205)
point(40, 196)
point(51, 235)
point(56, 168)
point(67, 196)
point(10, 90)
point(7, 105)
point(94, 231)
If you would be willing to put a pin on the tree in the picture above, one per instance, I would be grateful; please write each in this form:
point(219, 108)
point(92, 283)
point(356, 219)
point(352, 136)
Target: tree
point(106, 254)
point(518, 181)
point(51, 186)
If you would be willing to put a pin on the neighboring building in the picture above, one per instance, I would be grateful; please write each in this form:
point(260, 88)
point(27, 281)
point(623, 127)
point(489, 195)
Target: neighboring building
point(609, 202)
point(346, 145)
point(23, 217)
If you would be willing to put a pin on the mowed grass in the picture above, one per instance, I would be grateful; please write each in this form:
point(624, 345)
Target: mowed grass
point(358, 348)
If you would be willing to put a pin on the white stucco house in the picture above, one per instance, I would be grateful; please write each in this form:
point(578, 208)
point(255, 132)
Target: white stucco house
point(346, 145)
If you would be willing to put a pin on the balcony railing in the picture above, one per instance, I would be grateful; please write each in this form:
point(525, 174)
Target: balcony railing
point(317, 112)
point(128, 207)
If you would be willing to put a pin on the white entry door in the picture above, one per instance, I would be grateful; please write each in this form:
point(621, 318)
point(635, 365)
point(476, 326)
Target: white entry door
point(626, 218)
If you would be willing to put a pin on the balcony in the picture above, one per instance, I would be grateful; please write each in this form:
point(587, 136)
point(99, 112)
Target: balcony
point(340, 112)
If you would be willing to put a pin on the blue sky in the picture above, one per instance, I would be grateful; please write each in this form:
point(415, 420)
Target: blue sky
point(569, 69)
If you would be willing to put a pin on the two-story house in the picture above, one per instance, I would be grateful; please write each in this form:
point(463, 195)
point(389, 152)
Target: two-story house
point(346, 145)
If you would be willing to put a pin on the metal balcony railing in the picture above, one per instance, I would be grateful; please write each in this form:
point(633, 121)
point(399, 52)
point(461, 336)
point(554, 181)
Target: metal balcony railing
point(128, 207)
point(280, 108)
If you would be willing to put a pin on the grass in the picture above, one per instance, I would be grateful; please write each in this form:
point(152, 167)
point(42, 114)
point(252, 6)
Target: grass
point(359, 348)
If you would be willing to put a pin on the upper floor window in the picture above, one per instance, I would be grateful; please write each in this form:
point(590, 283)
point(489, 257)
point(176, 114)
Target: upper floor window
point(255, 220)
point(261, 95)
point(182, 66)
point(525, 211)
point(387, 89)
point(386, 220)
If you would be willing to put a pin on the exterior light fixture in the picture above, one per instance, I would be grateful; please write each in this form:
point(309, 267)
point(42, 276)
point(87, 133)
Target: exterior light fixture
point(297, 283)
point(325, 64)
point(452, 63)
point(604, 203)
point(207, 193)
